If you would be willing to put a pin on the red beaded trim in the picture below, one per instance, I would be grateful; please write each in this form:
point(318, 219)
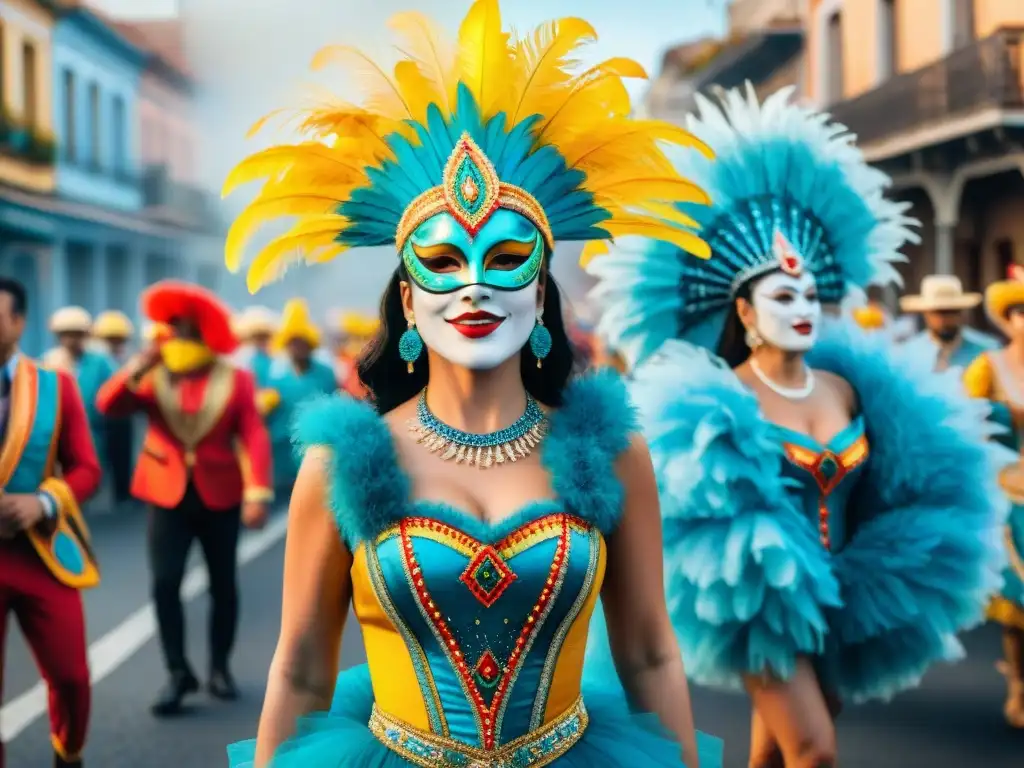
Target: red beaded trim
point(451, 645)
point(823, 529)
point(551, 520)
point(825, 485)
point(507, 576)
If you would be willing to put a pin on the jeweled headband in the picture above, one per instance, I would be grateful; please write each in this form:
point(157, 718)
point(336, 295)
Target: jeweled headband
point(492, 123)
point(471, 191)
point(791, 191)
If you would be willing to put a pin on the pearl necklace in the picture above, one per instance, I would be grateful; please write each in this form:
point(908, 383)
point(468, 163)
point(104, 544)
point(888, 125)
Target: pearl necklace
point(790, 393)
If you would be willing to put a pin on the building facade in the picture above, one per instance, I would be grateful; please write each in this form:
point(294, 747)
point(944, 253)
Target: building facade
point(934, 90)
point(96, 76)
point(764, 45)
point(26, 149)
point(90, 213)
point(172, 191)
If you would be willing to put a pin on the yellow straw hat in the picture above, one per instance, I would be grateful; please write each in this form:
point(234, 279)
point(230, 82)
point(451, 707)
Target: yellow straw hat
point(358, 325)
point(869, 318)
point(71, 320)
point(296, 324)
point(113, 324)
point(1002, 295)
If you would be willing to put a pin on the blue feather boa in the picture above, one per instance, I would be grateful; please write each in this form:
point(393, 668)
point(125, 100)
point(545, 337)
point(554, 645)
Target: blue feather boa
point(747, 580)
point(750, 587)
point(926, 554)
point(370, 492)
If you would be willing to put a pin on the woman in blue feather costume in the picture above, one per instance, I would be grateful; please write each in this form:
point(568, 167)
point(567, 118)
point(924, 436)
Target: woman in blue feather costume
point(475, 508)
point(831, 519)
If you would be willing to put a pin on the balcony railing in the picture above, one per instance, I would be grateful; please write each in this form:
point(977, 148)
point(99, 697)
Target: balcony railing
point(26, 143)
point(184, 204)
point(987, 74)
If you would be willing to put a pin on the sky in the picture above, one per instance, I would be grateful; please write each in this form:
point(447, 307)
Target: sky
point(253, 56)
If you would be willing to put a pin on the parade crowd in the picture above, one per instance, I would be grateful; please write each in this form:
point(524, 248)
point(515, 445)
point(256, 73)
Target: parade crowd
point(757, 480)
point(189, 417)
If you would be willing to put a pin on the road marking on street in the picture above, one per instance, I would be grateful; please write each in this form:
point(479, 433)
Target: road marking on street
point(127, 638)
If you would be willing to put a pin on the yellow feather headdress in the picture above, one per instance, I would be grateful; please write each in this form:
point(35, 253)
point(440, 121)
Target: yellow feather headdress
point(490, 122)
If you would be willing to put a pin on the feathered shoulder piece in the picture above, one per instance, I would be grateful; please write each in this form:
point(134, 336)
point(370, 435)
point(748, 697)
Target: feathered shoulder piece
point(493, 121)
point(925, 553)
point(790, 191)
point(748, 584)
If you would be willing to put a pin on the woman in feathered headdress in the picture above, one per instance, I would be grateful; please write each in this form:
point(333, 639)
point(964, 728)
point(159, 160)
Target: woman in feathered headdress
point(830, 513)
point(482, 495)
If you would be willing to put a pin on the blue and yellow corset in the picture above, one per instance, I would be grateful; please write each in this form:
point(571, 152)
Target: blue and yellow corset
point(825, 476)
point(491, 634)
point(475, 634)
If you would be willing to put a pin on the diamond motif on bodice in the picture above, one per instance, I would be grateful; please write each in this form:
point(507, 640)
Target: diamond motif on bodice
point(487, 576)
point(487, 671)
point(828, 466)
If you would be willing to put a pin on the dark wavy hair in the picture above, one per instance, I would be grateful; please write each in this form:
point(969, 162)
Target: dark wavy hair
point(386, 376)
point(732, 343)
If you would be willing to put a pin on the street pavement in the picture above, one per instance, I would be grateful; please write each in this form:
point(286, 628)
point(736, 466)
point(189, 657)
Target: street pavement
point(953, 721)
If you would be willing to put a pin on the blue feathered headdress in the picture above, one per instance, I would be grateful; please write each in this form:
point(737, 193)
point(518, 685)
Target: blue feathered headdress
point(786, 181)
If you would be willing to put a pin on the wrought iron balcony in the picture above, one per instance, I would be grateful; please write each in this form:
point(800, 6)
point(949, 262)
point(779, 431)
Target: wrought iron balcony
point(26, 143)
point(988, 74)
point(181, 204)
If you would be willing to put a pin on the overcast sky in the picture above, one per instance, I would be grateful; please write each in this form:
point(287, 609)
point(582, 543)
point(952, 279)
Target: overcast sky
point(255, 54)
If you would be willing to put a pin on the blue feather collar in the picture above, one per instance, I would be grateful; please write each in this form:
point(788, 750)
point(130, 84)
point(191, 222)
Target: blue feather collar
point(371, 492)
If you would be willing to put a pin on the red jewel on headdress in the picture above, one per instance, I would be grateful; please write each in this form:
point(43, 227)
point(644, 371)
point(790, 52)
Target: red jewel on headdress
point(1015, 272)
point(790, 261)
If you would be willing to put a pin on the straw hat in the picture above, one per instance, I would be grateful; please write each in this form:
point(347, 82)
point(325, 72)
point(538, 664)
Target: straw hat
point(70, 320)
point(1002, 295)
point(358, 325)
point(870, 318)
point(940, 293)
point(113, 325)
point(296, 324)
point(255, 321)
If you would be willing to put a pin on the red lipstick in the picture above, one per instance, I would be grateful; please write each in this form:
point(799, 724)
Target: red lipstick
point(476, 325)
point(804, 329)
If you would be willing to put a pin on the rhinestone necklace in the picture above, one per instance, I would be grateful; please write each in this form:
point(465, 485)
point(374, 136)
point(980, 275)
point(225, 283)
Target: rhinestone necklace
point(510, 444)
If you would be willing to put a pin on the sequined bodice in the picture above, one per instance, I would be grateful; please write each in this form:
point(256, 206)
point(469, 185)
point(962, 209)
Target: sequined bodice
point(478, 638)
point(825, 476)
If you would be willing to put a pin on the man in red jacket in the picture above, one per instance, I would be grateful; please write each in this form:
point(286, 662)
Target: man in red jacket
point(205, 467)
point(48, 466)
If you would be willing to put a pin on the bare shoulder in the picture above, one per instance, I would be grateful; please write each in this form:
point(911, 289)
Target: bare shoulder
point(745, 374)
point(838, 388)
point(635, 461)
point(398, 417)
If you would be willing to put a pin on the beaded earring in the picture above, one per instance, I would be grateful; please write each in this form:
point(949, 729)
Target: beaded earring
point(540, 341)
point(410, 345)
point(753, 338)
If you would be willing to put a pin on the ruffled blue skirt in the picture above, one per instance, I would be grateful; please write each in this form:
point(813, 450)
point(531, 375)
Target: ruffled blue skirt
point(614, 738)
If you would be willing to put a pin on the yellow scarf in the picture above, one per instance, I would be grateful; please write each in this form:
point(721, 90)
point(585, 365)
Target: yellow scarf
point(185, 356)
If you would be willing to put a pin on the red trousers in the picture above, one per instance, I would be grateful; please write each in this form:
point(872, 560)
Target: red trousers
point(53, 623)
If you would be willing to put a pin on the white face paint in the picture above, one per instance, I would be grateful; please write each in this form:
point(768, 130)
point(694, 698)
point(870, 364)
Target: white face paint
point(476, 327)
point(788, 311)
